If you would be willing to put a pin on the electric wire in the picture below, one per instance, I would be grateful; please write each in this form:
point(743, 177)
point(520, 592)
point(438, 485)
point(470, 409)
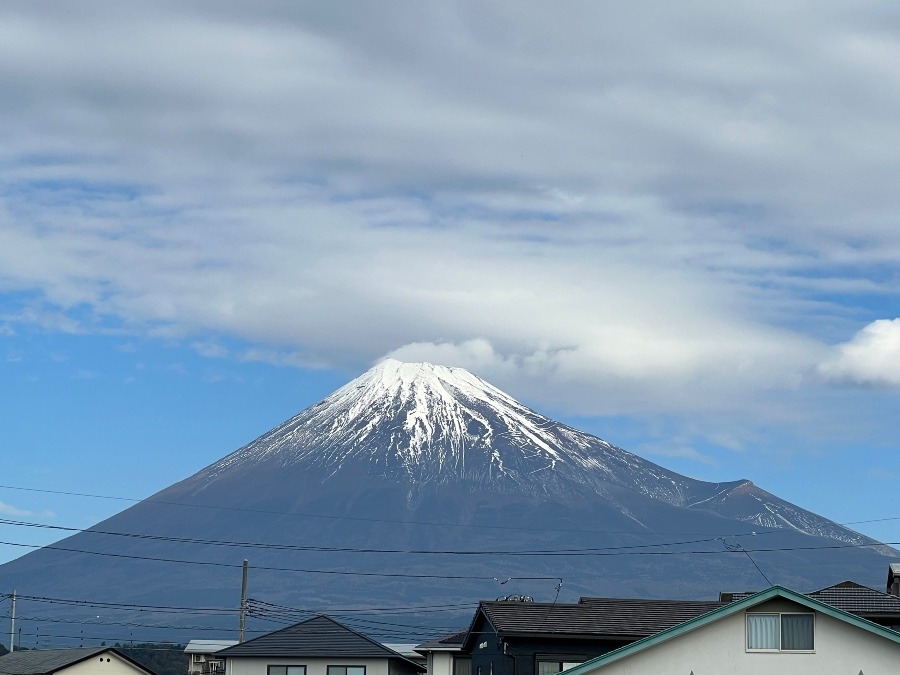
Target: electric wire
point(347, 549)
point(150, 500)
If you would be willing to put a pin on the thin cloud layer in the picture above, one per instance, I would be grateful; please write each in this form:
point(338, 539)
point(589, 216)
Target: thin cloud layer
point(629, 209)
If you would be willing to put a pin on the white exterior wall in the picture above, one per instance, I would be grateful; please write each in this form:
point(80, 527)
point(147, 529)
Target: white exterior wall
point(106, 663)
point(439, 663)
point(720, 647)
point(258, 665)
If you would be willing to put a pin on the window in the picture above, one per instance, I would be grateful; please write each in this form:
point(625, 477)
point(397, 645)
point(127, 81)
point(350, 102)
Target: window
point(780, 632)
point(553, 667)
point(346, 670)
point(286, 670)
point(462, 666)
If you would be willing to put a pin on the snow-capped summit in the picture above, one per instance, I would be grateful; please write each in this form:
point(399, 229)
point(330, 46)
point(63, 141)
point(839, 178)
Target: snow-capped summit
point(417, 425)
point(427, 423)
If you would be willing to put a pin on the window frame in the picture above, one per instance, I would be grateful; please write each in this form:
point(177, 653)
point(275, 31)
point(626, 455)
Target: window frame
point(459, 661)
point(561, 662)
point(778, 649)
point(328, 669)
point(285, 666)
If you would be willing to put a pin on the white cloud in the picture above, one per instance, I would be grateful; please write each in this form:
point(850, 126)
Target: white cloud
point(660, 208)
point(9, 510)
point(870, 357)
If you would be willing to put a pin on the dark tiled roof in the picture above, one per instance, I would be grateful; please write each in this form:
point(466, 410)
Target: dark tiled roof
point(452, 641)
point(851, 597)
point(856, 599)
point(42, 661)
point(593, 617)
point(319, 637)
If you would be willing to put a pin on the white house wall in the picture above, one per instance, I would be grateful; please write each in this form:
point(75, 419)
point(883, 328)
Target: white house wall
point(106, 663)
point(440, 663)
point(258, 665)
point(720, 647)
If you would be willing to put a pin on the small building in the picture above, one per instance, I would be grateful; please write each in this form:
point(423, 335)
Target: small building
point(203, 659)
point(75, 661)
point(317, 646)
point(443, 656)
point(774, 631)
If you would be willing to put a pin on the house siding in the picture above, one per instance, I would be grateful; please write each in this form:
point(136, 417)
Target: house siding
point(519, 656)
point(106, 663)
point(258, 665)
point(440, 663)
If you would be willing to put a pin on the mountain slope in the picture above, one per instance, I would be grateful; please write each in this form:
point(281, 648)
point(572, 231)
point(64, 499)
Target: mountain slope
point(421, 425)
point(424, 485)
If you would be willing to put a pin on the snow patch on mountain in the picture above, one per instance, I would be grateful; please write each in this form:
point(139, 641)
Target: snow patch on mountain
point(421, 424)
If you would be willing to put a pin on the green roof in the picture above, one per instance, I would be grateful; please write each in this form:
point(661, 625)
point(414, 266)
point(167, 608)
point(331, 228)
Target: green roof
point(728, 610)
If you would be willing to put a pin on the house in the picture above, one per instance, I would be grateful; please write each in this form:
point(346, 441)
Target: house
point(529, 638)
point(317, 646)
point(773, 631)
point(203, 659)
point(849, 596)
point(443, 656)
point(79, 661)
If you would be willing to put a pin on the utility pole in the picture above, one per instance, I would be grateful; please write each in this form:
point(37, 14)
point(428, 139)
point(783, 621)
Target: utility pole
point(12, 624)
point(243, 620)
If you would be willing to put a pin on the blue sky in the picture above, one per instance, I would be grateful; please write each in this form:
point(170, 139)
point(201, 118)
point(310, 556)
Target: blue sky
point(672, 226)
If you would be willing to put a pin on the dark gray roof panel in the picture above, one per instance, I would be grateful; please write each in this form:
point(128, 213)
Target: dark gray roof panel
point(851, 597)
point(42, 661)
point(447, 642)
point(594, 617)
point(319, 637)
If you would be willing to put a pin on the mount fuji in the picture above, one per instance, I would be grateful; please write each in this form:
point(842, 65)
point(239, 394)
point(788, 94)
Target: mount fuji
point(426, 487)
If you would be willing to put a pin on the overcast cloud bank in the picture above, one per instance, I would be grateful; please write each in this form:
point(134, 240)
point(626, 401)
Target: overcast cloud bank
point(619, 209)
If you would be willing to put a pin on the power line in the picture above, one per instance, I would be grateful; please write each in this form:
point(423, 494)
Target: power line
point(360, 519)
point(399, 575)
point(347, 549)
point(99, 604)
point(446, 577)
point(228, 611)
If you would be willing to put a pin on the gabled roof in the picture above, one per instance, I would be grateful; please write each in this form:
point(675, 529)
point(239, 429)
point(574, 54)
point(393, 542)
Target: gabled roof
point(44, 661)
point(849, 596)
point(319, 637)
point(729, 610)
point(613, 618)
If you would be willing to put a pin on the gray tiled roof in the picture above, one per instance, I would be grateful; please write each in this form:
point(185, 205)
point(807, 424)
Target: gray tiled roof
point(43, 661)
point(208, 646)
point(319, 637)
point(594, 617)
point(851, 597)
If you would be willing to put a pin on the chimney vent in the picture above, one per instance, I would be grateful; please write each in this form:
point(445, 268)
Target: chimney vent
point(893, 581)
